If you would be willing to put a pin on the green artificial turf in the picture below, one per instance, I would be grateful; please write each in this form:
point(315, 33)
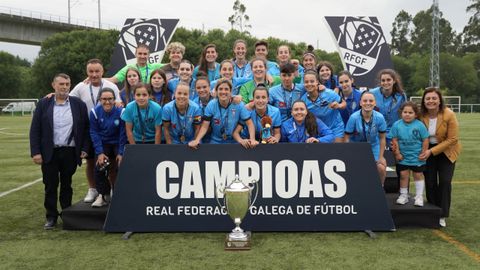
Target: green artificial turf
point(25, 245)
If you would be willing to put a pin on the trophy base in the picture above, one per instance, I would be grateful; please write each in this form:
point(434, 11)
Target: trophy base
point(232, 244)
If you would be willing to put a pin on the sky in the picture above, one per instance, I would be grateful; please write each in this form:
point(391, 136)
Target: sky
point(295, 21)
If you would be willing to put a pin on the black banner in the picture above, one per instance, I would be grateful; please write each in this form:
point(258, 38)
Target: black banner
point(362, 47)
point(155, 33)
point(302, 187)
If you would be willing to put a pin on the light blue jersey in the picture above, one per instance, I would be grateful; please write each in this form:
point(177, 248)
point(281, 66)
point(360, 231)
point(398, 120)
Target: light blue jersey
point(294, 133)
point(236, 83)
point(273, 112)
point(182, 128)
point(410, 138)
point(283, 99)
point(223, 121)
point(361, 131)
point(242, 72)
point(208, 135)
point(144, 120)
point(388, 106)
point(321, 109)
point(173, 83)
point(272, 68)
point(213, 74)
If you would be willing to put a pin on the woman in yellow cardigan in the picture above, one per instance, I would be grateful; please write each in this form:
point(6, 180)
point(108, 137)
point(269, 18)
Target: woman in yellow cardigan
point(443, 151)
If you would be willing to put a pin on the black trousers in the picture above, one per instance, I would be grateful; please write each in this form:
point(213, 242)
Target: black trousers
point(438, 182)
point(101, 176)
point(59, 170)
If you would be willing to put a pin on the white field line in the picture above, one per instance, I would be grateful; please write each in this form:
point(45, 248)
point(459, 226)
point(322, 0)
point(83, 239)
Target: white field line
point(20, 187)
point(10, 134)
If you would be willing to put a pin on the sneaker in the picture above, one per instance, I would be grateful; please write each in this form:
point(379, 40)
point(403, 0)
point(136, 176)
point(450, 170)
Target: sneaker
point(443, 222)
point(99, 202)
point(419, 201)
point(50, 224)
point(91, 195)
point(402, 199)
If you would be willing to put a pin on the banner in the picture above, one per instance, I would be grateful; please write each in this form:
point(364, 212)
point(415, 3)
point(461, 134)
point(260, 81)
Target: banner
point(362, 47)
point(155, 33)
point(302, 187)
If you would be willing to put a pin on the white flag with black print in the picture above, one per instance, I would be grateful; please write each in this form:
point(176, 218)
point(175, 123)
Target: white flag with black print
point(362, 47)
point(154, 33)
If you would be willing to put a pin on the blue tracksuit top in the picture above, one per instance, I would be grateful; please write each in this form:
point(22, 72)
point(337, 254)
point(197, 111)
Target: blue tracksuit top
point(294, 133)
point(107, 128)
point(353, 105)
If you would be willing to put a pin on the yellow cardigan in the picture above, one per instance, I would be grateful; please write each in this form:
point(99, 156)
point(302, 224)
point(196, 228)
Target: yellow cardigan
point(447, 134)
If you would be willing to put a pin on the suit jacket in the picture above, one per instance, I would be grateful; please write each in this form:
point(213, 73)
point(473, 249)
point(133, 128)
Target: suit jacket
point(447, 134)
point(41, 130)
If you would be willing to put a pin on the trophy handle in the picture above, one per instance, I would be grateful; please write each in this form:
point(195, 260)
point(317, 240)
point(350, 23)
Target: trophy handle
point(256, 191)
point(219, 189)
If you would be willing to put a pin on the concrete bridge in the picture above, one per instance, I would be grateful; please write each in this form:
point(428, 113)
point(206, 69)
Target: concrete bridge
point(28, 27)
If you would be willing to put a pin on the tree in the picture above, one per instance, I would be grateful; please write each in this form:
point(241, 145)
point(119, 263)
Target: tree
point(239, 18)
point(15, 74)
point(405, 67)
point(471, 32)
point(459, 77)
point(401, 30)
point(422, 34)
point(68, 52)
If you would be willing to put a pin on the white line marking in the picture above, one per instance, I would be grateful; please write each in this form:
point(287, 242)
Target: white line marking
point(12, 134)
point(20, 187)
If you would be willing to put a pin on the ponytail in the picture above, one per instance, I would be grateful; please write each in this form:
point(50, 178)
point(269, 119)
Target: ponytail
point(311, 124)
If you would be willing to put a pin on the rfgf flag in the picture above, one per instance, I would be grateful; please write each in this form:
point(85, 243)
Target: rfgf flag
point(155, 33)
point(362, 47)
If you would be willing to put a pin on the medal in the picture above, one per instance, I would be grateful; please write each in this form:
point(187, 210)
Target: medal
point(182, 138)
point(224, 136)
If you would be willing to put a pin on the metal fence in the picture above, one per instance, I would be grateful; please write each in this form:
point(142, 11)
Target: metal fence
point(470, 108)
point(54, 18)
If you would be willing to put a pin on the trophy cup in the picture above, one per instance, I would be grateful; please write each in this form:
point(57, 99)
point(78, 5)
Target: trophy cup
point(237, 201)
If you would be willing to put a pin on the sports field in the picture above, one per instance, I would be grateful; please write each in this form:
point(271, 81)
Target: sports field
point(24, 244)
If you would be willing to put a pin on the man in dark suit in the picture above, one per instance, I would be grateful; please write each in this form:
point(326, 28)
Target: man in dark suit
point(58, 142)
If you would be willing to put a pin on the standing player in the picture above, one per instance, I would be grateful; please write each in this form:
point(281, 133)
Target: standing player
point(142, 53)
point(181, 117)
point(88, 93)
point(368, 125)
point(282, 96)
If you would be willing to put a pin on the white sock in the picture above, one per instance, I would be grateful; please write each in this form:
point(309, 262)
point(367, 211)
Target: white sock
point(403, 190)
point(419, 186)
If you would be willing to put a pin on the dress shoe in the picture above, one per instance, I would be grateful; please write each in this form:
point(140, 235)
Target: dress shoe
point(50, 224)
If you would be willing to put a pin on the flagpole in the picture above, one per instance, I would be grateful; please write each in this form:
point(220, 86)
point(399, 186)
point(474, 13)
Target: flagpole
point(99, 16)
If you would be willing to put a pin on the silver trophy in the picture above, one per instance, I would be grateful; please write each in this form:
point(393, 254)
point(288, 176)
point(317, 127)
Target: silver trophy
point(237, 201)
